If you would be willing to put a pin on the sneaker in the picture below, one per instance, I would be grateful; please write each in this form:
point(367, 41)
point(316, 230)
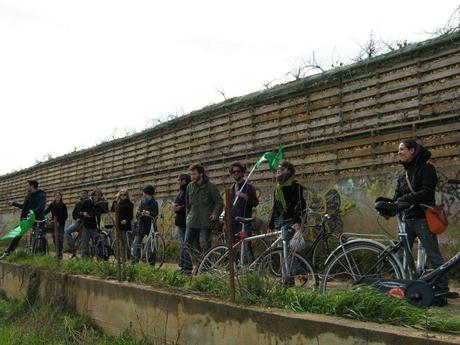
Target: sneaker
point(440, 301)
point(4, 255)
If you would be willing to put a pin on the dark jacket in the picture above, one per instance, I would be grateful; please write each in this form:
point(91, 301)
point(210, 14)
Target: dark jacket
point(76, 210)
point(243, 208)
point(202, 200)
point(151, 205)
point(58, 211)
point(423, 178)
point(180, 219)
point(295, 205)
point(89, 206)
point(35, 201)
point(125, 212)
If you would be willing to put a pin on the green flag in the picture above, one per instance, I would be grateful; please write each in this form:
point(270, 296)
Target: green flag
point(21, 228)
point(272, 158)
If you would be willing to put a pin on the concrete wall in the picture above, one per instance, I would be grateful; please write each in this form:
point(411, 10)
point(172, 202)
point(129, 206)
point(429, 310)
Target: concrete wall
point(163, 315)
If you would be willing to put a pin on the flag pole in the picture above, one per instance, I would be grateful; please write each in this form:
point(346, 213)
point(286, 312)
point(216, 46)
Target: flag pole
point(245, 183)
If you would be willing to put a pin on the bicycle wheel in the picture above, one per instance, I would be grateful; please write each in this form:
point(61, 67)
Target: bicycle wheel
point(215, 261)
point(103, 247)
point(322, 250)
point(39, 246)
point(359, 263)
point(155, 250)
point(296, 271)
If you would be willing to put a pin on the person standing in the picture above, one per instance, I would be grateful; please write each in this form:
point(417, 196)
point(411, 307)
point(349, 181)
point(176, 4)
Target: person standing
point(180, 211)
point(35, 201)
point(59, 213)
point(77, 225)
point(125, 209)
point(416, 185)
point(203, 204)
point(246, 199)
point(288, 201)
point(148, 209)
point(89, 212)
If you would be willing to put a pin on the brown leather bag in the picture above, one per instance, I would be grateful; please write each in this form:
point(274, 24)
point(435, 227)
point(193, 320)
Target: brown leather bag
point(436, 217)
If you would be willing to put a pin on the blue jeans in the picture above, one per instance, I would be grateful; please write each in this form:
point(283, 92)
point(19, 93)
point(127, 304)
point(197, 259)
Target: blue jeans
point(419, 228)
point(191, 237)
point(68, 232)
point(86, 235)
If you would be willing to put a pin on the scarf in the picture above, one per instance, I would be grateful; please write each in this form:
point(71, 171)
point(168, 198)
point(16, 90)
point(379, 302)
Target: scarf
point(279, 195)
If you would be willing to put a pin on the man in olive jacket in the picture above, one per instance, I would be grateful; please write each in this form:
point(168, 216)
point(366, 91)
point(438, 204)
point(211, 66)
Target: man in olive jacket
point(203, 205)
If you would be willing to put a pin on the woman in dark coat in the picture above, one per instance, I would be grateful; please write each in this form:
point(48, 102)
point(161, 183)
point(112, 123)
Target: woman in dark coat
point(416, 184)
point(125, 218)
point(59, 213)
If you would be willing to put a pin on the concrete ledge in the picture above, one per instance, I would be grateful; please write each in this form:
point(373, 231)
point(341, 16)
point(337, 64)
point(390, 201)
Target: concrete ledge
point(189, 319)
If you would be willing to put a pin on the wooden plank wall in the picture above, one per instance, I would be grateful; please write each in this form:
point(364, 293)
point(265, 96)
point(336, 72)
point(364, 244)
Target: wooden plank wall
point(347, 126)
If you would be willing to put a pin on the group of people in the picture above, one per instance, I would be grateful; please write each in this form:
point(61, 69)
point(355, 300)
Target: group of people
point(199, 205)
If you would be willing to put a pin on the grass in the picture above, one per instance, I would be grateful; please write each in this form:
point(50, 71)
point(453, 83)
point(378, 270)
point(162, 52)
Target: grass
point(363, 304)
point(21, 324)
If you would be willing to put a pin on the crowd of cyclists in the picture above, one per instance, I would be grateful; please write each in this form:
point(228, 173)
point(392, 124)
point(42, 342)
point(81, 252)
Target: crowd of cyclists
point(199, 205)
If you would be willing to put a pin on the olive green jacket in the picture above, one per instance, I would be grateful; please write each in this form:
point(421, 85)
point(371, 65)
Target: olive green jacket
point(201, 201)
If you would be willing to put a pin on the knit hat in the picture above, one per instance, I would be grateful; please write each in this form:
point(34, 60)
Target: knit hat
point(150, 190)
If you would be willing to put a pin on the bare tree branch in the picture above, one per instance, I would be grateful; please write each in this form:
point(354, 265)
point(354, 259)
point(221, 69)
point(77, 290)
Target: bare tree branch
point(222, 92)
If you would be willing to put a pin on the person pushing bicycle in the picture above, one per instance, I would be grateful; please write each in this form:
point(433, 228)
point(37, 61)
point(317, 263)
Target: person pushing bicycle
point(416, 185)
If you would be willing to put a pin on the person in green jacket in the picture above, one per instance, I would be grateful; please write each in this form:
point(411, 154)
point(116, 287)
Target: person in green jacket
point(203, 204)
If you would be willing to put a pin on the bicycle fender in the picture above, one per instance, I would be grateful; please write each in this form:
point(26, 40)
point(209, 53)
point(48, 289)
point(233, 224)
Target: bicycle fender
point(370, 242)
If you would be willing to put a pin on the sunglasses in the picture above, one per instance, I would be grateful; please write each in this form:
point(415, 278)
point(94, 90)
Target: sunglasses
point(236, 171)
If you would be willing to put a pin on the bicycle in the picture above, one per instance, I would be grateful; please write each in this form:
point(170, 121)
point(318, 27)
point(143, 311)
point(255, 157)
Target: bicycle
point(278, 261)
point(371, 263)
point(38, 244)
point(153, 248)
point(327, 237)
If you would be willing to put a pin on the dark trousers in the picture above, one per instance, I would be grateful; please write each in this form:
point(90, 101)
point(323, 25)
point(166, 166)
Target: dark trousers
point(191, 236)
point(58, 239)
point(419, 228)
point(13, 244)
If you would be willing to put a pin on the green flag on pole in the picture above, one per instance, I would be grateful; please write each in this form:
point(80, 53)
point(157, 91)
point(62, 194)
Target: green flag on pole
point(21, 228)
point(271, 158)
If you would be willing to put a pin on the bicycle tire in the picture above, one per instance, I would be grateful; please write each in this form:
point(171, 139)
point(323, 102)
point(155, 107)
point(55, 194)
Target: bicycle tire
point(102, 247)
point(214, 261)
point(362, 256)
point(39, 246)
point(321, 252)
point(299, 274)
point(155, 250)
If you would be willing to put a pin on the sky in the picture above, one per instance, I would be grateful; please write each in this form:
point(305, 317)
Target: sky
point(75, 73)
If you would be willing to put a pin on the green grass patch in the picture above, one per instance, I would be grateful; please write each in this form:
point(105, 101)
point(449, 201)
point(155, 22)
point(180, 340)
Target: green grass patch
point(49, 324)
point(363, 304)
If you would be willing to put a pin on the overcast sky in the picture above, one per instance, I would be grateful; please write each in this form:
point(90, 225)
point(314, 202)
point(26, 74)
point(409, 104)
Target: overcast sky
point(75, 72)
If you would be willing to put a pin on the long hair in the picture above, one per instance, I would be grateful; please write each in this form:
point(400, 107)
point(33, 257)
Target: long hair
point(54, 200)
point(120, 192)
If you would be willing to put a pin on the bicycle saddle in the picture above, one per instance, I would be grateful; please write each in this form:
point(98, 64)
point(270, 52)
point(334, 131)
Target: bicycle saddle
point(385, 206)
point(244, 220)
